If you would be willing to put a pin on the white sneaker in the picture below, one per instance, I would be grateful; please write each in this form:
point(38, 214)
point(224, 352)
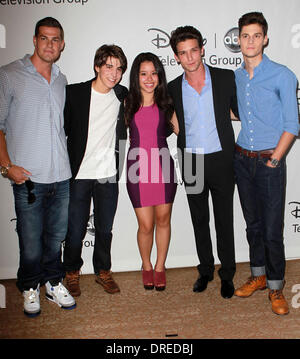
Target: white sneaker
point(60, 295)
point(32, 302)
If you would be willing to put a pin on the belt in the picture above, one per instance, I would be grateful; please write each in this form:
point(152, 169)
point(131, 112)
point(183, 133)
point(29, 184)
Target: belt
point(254, 154)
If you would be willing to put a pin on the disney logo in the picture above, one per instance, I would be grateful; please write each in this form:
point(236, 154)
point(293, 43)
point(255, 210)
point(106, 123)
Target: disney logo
point(296, 212)
point(162, 38)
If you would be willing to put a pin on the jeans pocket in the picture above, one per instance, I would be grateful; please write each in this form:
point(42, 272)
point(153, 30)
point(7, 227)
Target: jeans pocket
point(264, 161)
point(238, 160)
point(21, 194)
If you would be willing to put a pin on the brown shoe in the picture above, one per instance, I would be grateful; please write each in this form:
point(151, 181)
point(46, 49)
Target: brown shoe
point(106, 280)
point(252, 284)
point(72, 283)
point(279, 304)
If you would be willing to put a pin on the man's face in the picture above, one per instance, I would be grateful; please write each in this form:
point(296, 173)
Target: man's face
point(48, 44)
point(189, 55)
point(252, 40)
point(109, 74)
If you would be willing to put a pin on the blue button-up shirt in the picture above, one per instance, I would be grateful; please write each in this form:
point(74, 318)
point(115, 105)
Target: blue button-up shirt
point(199, 117)
point(31, 116)
point(267, 105)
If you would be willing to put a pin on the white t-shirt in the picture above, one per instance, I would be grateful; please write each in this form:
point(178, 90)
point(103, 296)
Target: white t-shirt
point(99, 158)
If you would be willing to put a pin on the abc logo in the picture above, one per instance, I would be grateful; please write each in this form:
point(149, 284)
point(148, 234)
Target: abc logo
point(231, 40)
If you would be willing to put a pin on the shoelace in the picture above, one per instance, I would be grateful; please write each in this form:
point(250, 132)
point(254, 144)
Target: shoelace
point(276, 294)
point(72, 278)
point(106, 277)
point(63, 290)
point(31, 296)
point(252, 279)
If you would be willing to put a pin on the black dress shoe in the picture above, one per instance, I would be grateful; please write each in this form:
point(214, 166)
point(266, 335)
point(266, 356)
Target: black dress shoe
point(227, 288)
point(201, 283)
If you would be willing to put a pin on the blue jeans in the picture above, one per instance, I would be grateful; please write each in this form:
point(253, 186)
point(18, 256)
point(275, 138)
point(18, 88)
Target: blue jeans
point(41, 228)
point(262, 195)
point(105, 198)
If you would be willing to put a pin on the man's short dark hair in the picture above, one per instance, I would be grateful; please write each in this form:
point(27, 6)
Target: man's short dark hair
point(253, 18)
point(183, 33)
point(106, 51)
point(50, 22)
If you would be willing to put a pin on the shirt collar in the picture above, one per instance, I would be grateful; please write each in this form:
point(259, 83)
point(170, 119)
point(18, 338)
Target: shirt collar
point(207, 76)
point(29, 65)
point(260, 67)
point(27, 62)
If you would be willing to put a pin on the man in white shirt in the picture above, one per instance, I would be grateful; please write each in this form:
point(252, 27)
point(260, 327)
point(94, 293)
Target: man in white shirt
point(94, 125)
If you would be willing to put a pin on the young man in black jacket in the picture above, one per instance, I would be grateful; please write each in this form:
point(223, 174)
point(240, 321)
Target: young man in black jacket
point(94, 125)
point(203, 97)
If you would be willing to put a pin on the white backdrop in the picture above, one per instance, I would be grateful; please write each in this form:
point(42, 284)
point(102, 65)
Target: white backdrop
point(138, 26)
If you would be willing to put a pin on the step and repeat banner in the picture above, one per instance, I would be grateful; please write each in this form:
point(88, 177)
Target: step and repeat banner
point(139, 26)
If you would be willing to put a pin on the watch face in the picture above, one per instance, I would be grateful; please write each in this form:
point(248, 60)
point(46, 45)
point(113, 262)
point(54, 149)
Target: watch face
point(274, 162)
point(4, 171)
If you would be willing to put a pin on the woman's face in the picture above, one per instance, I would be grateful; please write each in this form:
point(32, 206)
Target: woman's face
point(148, 78)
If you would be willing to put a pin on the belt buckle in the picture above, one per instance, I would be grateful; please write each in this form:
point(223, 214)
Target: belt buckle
point(249, 153)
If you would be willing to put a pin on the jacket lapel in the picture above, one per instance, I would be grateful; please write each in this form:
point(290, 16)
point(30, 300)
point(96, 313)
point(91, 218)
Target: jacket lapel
point(86, 99)
point(178, 103)
point(214, 82)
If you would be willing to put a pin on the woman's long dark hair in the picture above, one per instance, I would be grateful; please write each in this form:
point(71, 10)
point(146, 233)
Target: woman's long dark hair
point(134, 99)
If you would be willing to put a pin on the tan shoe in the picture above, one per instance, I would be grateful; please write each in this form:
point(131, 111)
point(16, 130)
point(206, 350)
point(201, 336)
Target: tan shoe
point(106, 280)
point(279, 304)
point(72, 283)
point(252, 284)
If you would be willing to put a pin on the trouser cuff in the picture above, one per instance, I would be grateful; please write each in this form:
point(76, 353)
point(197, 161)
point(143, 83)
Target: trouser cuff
point(258, 271)
point(275, 284)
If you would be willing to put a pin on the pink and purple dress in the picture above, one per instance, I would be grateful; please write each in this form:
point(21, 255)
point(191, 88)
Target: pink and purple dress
point(151, 177)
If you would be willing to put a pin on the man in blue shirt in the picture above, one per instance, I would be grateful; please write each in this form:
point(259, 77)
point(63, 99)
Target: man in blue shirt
point(268, 112)
point(34, 157)
point(203, 97)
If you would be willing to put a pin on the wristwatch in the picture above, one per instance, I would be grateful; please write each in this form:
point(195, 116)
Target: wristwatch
point(274, 162)
point(4, 170)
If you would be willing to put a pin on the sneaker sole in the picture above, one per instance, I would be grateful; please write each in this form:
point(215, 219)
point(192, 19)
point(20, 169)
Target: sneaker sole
point(32, 315)
point(50, 298)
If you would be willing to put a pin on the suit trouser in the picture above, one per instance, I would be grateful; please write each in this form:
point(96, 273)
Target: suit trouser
point(105, 197)
point(219, 182)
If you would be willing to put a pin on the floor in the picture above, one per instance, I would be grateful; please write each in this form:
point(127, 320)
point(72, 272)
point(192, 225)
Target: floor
point(176, 313)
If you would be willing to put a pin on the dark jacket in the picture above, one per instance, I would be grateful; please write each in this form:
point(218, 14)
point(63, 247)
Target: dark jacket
point(224, 99)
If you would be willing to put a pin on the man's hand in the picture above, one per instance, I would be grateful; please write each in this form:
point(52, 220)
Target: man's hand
point(18, 174)
point(269, 164)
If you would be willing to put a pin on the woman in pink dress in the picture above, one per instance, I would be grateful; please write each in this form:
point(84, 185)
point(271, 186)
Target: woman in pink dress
point(151, 181)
